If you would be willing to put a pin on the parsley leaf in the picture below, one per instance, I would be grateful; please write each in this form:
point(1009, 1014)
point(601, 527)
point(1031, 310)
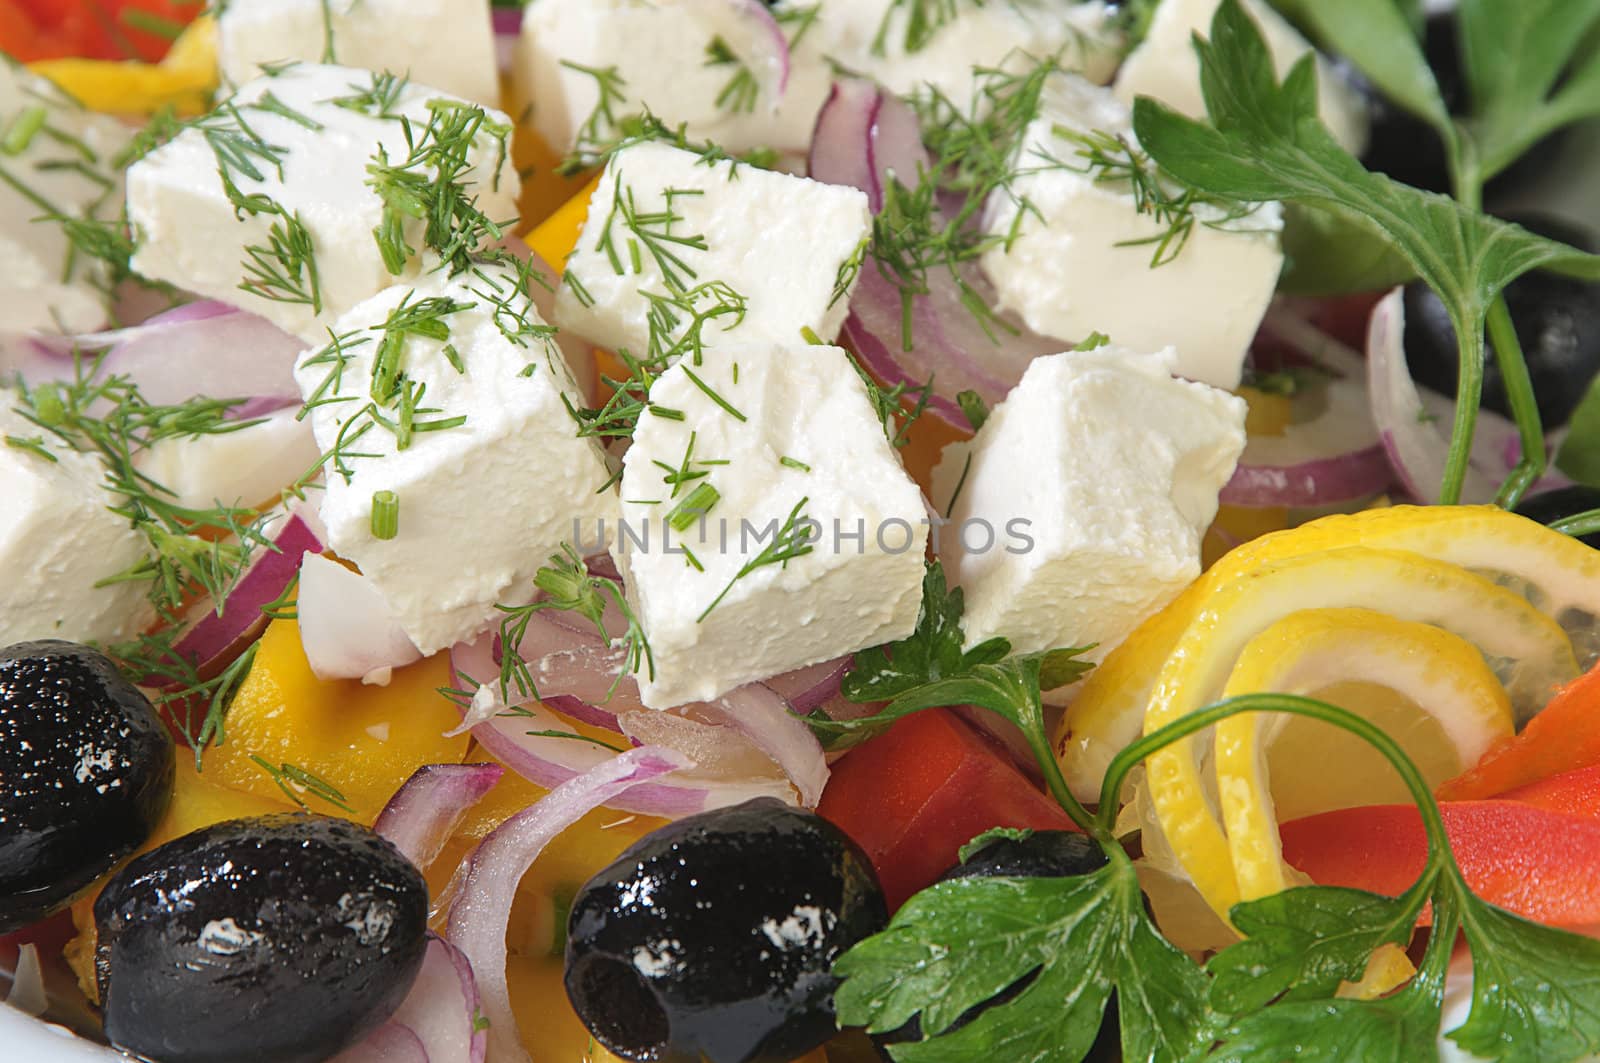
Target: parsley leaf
point(1267, 144)
point(955, 946)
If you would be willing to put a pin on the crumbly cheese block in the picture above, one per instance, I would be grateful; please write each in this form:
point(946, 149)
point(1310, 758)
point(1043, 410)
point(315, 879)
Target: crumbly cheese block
point(1076, 253)
point(296, 146)
point(1078, 508)
point(756, 441)
point(673, 238)
point(483, 503)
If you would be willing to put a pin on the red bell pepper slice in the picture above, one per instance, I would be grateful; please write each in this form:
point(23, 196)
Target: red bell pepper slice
point(1564, 736)
point(1537, 862)
point(912, 796)
point(1575, 792)
point(93, 29)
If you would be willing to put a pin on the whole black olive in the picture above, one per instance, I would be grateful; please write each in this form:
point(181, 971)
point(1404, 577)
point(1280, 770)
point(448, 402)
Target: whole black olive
point(279, 939)
point(1558, 325)
point(85, 774)
point(1561, 503)
point(716, 935)
point(1040, 854)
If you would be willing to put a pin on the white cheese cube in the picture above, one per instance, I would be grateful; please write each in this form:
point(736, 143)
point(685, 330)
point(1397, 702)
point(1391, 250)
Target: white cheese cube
point(448, 44)
point(58, 539)
point(1080, 504)
point(309, 134)
point(1165, 66)
point(771, 436)
point(241, 468)
point(1082, 257)
point(874, 38)
point(482, 504)
point(56, 160)
point(583, 66)
point(668, 230)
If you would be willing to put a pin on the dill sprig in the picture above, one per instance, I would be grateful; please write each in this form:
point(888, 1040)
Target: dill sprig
point(294, 780)
point(741, 91)
point(603, 128)
point(793, 539)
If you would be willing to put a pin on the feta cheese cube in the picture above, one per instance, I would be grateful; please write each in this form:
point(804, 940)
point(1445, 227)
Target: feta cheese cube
point(875, 38)
point(483, 501)
point(583, 66)
point(57, 160)
point(1082, 257)
point(448, 44)
point(673, 239)
point(58, 539)
point(1165, 66)
point(296, 236)
point(1080, 504)
point(777, 443)
point(241, 468)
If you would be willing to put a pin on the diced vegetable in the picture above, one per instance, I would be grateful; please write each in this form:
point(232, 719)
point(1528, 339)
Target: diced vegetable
point(1563, 737)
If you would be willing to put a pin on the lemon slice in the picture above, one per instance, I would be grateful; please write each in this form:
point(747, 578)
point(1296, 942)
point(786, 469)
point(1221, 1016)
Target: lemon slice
point(1449, 709)
point(1560, 575)
point(1533, 653)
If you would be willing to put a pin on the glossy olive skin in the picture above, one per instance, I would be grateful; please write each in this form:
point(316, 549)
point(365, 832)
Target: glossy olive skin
point(1557, 321)
point(85, 774)
point(1561, 503)
point(717, 934)
point(1042, 854)
point(295, 936)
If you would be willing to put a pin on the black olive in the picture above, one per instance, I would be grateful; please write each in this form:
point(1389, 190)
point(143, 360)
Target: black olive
point(279, 939)
point(716, 935)
point(1561, 503)
point(85, 774)
point(1041, 854)
point(1410, 150)
point(1558, 325)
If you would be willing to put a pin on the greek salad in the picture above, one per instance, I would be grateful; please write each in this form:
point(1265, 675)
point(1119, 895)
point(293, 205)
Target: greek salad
point(674, 530)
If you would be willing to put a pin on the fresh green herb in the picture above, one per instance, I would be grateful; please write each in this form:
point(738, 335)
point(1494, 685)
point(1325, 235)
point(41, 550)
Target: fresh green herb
point(695, 505)
point(792, 540)
point(793, 463)
point(385, 515)
point(294, 780)
point(598, 135)
point(890, 404)
point(329, 55)
point(981, 842)
point(33, 444)
point(24, 127)
point(712, 394)
point(379, 99)
point(572, 735)
point(973, 408)
point(1265, 143)
point(741, 92)
point(923, 20)
point(149, 22)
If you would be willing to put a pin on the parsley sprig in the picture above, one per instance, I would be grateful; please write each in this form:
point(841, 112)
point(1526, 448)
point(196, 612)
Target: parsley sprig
point(1055, 950)
point(1265, 143)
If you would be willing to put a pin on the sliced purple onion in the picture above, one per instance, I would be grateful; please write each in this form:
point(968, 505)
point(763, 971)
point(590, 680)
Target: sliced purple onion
point(346, 626)
point(763, 718)
point(805, 689)
point(222, 633)
point(389, 1043)
point(421, 815)
point(507, 21)
point(443, 1006)
point(863, 136)
point(488, 878)
point(204, 348)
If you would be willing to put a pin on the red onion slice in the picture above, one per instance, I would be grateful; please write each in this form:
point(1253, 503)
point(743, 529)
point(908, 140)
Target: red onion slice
point(389, 1043)
point(204, 348)
point(489, 877)
point(421, 815)
point(863, 135)
point(346, 626)
point(443, 1006)
point(762, 717)
point(222, 633)
point(807, 688)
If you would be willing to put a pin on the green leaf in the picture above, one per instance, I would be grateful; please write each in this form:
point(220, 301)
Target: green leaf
point(1303, 942)
point(1378, 37)
point(1535, 990)
point(953, 947)
point(931, 652)
point(1513, 55)
point(1326, 254)
point(981, 842)
point(1266, 143)
point(1058, 668)
point(1579, 454)
point(1400, 1029)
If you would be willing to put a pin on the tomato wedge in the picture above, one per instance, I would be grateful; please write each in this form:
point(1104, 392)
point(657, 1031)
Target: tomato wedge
point(1564, 736)
point(31, 30)
point(913, 796)
point(1538, 862)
